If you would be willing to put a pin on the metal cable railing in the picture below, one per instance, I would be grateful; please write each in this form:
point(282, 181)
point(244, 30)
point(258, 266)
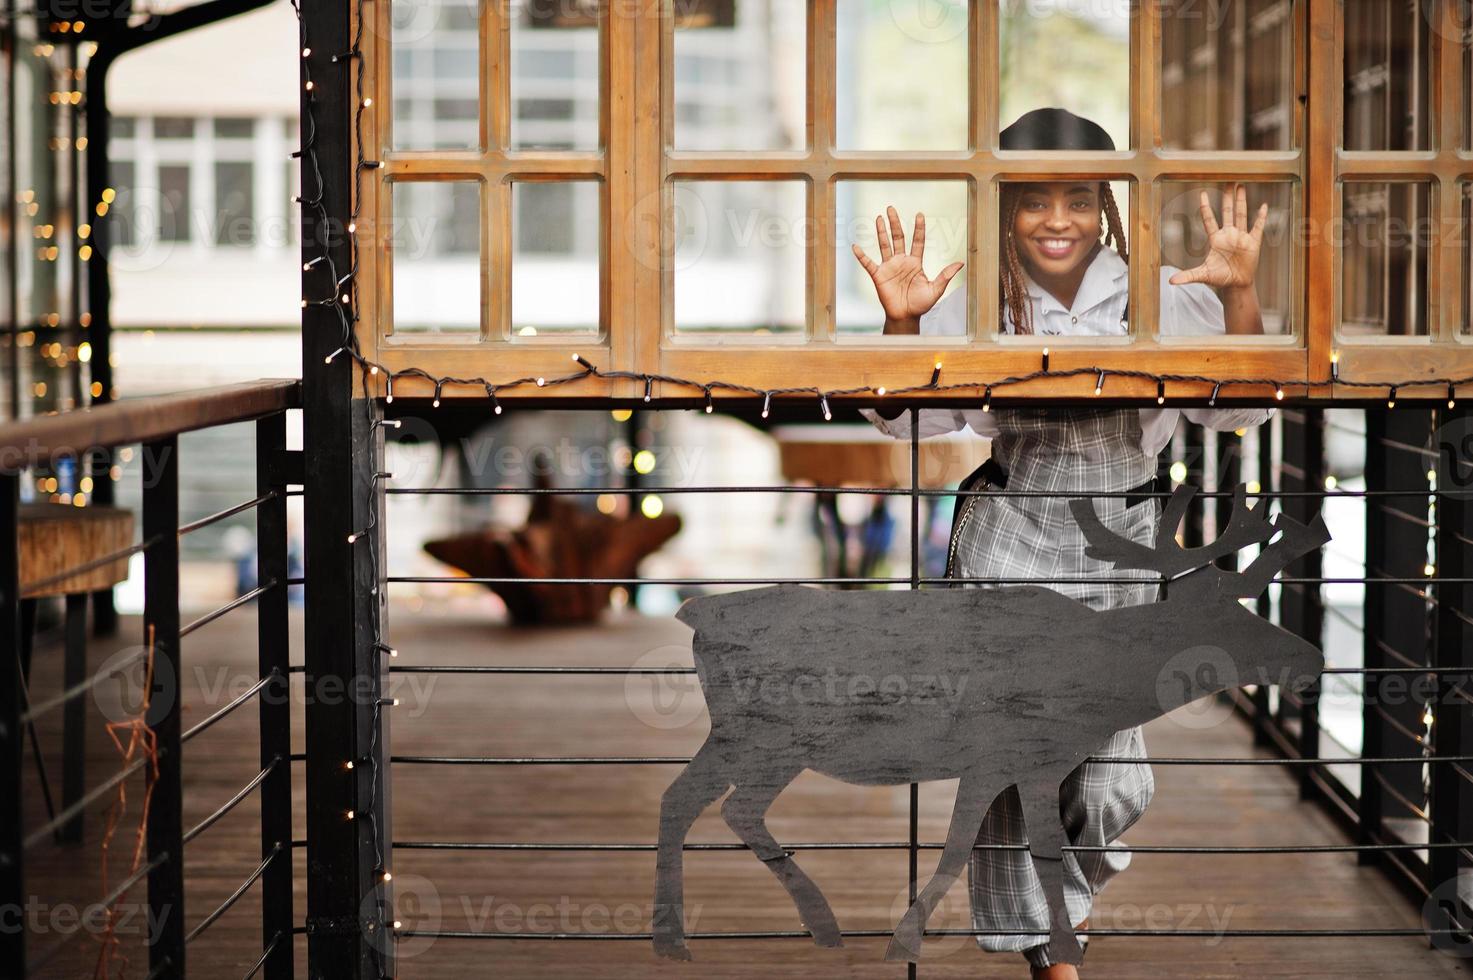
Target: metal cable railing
point(160, 422)
point(1290, 733)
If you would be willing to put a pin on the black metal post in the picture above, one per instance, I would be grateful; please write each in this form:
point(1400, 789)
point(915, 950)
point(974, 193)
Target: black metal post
point(1261, 715)
point(1369, 810)
point(1451, 805)
point(12, 878)
point(1301, 606)
point(347, 894)
point(913, 830)
point(161, 627)
point(274, 639)
point(12, 216)
point(74, 719)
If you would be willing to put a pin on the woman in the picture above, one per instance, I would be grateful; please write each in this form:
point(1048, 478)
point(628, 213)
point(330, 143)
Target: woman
point(1059, 277)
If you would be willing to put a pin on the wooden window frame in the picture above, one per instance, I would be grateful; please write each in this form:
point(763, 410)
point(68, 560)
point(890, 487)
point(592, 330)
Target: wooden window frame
point(637, 168)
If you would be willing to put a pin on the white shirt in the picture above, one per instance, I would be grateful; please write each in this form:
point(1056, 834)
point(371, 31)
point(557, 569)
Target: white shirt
point(1192, 309)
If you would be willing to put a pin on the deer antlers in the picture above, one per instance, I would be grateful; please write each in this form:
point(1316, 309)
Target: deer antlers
point(1247, 526)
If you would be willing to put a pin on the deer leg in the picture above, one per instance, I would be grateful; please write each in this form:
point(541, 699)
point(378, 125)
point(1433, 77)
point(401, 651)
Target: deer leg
point(973, 796)
point(745, 811)
point(1046, 845)
point(699, 785)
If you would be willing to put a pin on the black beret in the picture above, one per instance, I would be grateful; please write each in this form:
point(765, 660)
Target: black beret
point(1054, 129)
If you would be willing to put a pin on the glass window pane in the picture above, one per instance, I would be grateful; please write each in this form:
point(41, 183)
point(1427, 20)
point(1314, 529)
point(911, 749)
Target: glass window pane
point(173, 204)
point(435, 245)
point(234, 127)
point(555, 258)
point(173, 127)
point(1184, 246)
point(554, 110)
point(122, 214)
point(436, 74)
point(858, 309)
point(1072, 55)
point(740, 75)
point(1383, 274)
point(121, 127)
point(739, 256)
point(235, 217)
point(1386, 70)
point(1212, 98)
point(902, 75)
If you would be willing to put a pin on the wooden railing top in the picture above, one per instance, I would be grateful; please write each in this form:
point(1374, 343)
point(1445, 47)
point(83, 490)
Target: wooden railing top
point(134, 420)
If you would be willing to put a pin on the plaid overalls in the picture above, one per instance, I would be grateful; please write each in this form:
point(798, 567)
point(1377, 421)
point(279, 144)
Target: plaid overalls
point(1069, 451)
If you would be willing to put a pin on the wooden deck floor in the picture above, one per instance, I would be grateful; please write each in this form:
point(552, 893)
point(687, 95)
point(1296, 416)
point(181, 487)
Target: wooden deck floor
point(609, 892)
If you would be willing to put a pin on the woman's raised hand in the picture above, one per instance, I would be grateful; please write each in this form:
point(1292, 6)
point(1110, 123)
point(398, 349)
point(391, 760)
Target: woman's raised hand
point(1233, 247)
point(904, 290)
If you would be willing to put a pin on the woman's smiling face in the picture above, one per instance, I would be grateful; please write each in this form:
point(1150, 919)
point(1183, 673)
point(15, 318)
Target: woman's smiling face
point(1057, 225)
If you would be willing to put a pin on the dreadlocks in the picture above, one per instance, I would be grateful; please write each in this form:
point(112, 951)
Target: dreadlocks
point(1014, 289)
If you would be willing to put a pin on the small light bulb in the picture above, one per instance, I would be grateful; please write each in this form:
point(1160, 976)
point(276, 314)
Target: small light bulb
point(348, 764)
point(880, 390)
point(350, 814)
point(1278, 392)
point(367, 102)
point(388, 876)
point(309, 85)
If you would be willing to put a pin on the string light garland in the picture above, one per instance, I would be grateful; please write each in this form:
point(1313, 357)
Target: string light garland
point(705, 387)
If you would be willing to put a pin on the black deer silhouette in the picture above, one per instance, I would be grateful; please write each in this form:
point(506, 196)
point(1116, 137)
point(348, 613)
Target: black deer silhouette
point(994, 687)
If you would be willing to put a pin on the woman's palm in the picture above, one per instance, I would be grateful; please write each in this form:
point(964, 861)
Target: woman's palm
point(1233, 247)
point(904, 289)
